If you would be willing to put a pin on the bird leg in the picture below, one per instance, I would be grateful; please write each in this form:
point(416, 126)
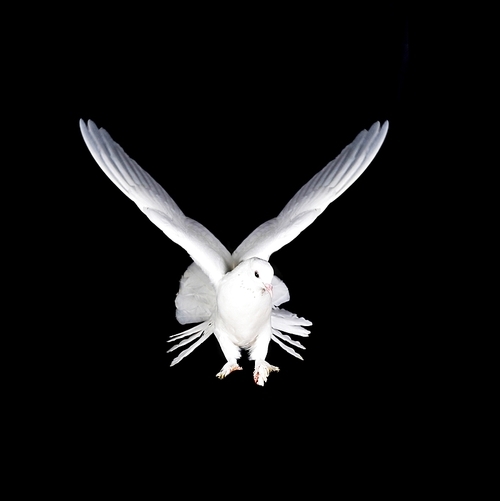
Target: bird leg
point(262, 370)
point(228, 367)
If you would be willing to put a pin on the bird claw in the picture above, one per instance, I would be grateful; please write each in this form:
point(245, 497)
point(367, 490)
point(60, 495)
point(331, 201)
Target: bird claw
point(262, 371)
point(227, 369)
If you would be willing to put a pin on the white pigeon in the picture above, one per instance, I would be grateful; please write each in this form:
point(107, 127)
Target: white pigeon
point(235, 296)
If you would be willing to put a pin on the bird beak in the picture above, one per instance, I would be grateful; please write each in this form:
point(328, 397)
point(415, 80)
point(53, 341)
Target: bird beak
point(269, 288)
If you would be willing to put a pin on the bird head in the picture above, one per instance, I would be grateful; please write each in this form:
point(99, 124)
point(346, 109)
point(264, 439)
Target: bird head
point(259, 273)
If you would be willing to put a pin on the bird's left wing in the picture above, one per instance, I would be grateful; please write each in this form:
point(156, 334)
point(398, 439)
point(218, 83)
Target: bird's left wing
point(204, 248)
point(314, 197)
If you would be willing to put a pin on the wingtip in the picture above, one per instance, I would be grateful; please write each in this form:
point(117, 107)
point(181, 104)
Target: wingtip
point(89, 125)
point(378, 131)
point(85, 127)
point(384, 129)
point(376, 125)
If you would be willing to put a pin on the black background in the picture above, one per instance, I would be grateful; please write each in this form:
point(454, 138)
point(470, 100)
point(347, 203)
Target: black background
point(232, 111)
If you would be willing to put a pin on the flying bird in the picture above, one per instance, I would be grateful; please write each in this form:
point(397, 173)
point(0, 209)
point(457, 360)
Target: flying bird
point(236, 296)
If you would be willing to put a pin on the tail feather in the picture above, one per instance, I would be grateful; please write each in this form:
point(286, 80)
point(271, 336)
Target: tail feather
point(195, 301)
point(287, 348)
point(283, 320)
point(201, 331)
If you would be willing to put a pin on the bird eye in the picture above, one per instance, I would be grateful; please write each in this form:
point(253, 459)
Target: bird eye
point(256, 274)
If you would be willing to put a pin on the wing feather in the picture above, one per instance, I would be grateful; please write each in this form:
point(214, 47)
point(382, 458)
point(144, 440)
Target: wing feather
point(314, 197)
point(204, 248)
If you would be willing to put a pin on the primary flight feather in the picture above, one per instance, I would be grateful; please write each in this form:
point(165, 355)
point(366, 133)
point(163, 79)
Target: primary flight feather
point(235, 296)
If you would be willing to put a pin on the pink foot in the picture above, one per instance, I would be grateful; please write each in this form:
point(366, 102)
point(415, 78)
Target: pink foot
point(262, 371)
point(227, 369)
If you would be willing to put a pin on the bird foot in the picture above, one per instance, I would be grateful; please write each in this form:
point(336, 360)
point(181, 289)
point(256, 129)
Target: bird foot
point(227, 369)
point(262, 370)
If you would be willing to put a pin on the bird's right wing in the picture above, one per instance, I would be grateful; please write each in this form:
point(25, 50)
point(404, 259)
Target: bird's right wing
point(314, 197)
point(203, 247)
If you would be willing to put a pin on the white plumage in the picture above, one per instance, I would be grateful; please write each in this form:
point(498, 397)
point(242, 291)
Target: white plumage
point(235, 296)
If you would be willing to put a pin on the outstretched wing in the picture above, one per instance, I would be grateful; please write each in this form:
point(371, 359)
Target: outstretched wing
point(203, 247)
point(314, 197)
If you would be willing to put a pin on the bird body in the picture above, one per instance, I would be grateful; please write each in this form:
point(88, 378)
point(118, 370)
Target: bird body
point(244, 302)
point(235, 296)
point(243, 319)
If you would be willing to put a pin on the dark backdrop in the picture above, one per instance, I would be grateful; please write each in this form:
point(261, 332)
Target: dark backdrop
point(232, 112)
